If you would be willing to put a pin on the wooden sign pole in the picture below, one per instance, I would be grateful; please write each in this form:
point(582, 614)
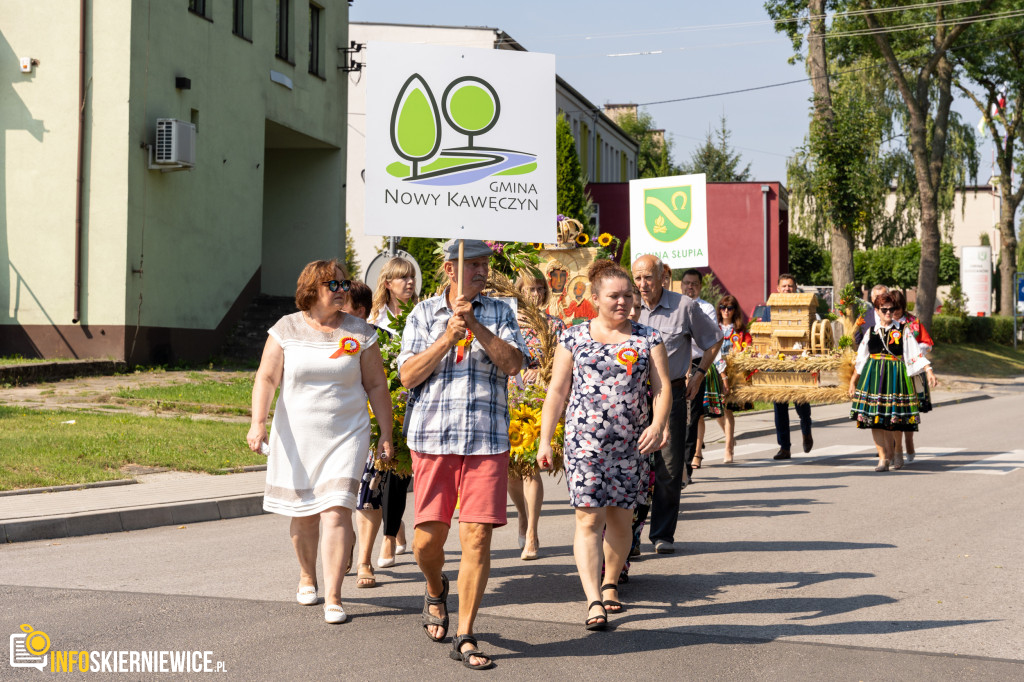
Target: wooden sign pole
point(462, 246)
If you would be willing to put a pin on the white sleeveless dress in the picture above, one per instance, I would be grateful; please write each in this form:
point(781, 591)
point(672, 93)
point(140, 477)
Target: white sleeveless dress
point(321, 429)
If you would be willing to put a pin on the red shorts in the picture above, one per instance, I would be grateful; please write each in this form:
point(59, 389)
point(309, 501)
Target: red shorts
point(479, 483)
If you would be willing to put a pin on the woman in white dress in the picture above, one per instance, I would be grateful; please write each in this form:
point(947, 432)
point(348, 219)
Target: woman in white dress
point(327, 364)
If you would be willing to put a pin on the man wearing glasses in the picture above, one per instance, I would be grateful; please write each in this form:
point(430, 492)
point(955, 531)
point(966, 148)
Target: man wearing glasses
point(457, 355)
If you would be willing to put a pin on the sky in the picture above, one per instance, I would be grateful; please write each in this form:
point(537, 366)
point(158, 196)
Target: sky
point(697, 49)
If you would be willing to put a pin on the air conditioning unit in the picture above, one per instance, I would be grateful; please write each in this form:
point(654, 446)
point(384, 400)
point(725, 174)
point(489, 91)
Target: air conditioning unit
point(175, 145)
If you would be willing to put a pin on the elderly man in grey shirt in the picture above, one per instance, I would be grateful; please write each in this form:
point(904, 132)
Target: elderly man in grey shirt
point(681, 322)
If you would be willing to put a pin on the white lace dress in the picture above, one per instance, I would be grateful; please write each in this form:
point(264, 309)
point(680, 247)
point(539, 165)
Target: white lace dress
point(321, 429)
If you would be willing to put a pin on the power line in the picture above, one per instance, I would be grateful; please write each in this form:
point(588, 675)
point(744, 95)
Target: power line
point(747, 24)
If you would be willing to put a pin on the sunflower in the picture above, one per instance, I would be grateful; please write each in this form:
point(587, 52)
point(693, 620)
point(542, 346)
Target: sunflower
point(527, 416)
point(605, 239)
point(521, 437)
point(582, 239)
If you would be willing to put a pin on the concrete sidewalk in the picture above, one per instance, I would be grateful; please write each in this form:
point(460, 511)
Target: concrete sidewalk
point(178, 498)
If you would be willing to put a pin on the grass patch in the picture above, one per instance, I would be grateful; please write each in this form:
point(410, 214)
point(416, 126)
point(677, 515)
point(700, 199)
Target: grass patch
point(978, 360)
point(11, 360)
point(38, 450)
point(199, 392)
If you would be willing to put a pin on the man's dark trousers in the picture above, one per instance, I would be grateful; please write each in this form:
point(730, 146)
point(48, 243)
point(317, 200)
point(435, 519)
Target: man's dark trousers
point(669, 466)
point(803, 410)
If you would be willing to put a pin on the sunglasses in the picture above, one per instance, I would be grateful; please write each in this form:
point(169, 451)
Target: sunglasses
point(727, 307)
point(888, 310)
point(334, 285)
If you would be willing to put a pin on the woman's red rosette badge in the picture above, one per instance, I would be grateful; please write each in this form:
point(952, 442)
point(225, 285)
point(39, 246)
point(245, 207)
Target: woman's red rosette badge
point(895, 336)
point(627, 356)
point(347, 346)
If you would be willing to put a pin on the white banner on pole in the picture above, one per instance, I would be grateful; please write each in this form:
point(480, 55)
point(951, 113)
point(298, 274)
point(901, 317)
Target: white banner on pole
point(460, 142)
point(668, 217)
point(976, 279)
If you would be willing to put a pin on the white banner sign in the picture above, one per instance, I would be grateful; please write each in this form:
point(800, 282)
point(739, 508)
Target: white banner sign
point(668, 217)
point(976, 278)
point(460, 142)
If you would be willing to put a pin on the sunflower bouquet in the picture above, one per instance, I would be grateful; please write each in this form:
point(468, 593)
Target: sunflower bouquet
point(401, 462)
point(608, 246)
point(390, 348)
point(524, 406)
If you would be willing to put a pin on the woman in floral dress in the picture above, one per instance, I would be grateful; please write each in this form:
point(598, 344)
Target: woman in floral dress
point(603, 366)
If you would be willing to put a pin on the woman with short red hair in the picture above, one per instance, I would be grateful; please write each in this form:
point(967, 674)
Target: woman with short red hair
point(327, 364)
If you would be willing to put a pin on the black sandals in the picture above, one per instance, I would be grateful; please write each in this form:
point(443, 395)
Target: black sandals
point(458, 655)
point(429, 618)
point(610, 605)
point(598, 622)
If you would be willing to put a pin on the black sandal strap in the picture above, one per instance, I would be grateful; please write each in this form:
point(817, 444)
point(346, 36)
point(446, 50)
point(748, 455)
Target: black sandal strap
point(609, 586)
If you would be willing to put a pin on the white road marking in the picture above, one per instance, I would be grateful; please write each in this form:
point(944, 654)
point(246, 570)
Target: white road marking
point(1000, 464)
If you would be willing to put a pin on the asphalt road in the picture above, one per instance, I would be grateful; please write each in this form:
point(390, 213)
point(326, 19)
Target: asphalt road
point(813, 569)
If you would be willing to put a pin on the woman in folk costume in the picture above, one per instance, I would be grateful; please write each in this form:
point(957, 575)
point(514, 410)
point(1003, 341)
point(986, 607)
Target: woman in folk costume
point(924, 394)
point(884, 399)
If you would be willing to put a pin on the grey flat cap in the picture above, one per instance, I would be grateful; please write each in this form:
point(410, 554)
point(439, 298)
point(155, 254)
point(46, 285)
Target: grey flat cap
point(474, 248)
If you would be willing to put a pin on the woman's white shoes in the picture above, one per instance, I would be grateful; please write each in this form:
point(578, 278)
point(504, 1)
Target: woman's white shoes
point(400, 549)
point(385, 563)
point(334, 614)
point(307, 595)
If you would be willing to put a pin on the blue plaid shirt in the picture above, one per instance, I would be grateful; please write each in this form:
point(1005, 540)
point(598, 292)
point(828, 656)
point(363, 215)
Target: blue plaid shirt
point(462, 408)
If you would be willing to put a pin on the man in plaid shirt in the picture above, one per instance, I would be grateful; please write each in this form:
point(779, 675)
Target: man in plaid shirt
point(457, 355)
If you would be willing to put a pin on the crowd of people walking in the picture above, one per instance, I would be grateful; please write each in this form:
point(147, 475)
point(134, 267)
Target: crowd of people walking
point(632, 387)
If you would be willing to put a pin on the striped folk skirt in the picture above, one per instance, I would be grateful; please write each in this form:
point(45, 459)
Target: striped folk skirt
point(885, 397)
point(714, 400)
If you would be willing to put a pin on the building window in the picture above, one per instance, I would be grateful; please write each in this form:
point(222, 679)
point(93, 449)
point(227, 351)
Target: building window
point(241, 18)
point(315, 14)
point(198, 7)
point(284, 30)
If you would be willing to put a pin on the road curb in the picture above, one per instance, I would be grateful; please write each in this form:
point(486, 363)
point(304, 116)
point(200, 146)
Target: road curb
point(73, 486)
point(98, 523)
point(770, 431)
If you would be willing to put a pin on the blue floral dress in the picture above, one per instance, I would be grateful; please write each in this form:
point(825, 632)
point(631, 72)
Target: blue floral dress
point(608, 410)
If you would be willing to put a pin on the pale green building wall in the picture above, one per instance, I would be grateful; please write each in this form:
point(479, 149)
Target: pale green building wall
point(39, 121)
point(174, 250)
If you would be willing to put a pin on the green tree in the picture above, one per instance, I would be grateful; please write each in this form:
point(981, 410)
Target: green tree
point(914, 45)
point(654, 156)
point(425, 252)
point(716, 158)
point(992, 63)
point(808, 262)
point(573, 201)
point(351, 259)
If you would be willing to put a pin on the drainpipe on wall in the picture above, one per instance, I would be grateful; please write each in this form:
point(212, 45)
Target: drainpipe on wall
point(764, 213)
point(81, 152)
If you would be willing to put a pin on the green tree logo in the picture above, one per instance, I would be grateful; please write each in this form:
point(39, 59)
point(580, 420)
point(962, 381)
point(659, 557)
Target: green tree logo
point(471, 106)
point(415, 123)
